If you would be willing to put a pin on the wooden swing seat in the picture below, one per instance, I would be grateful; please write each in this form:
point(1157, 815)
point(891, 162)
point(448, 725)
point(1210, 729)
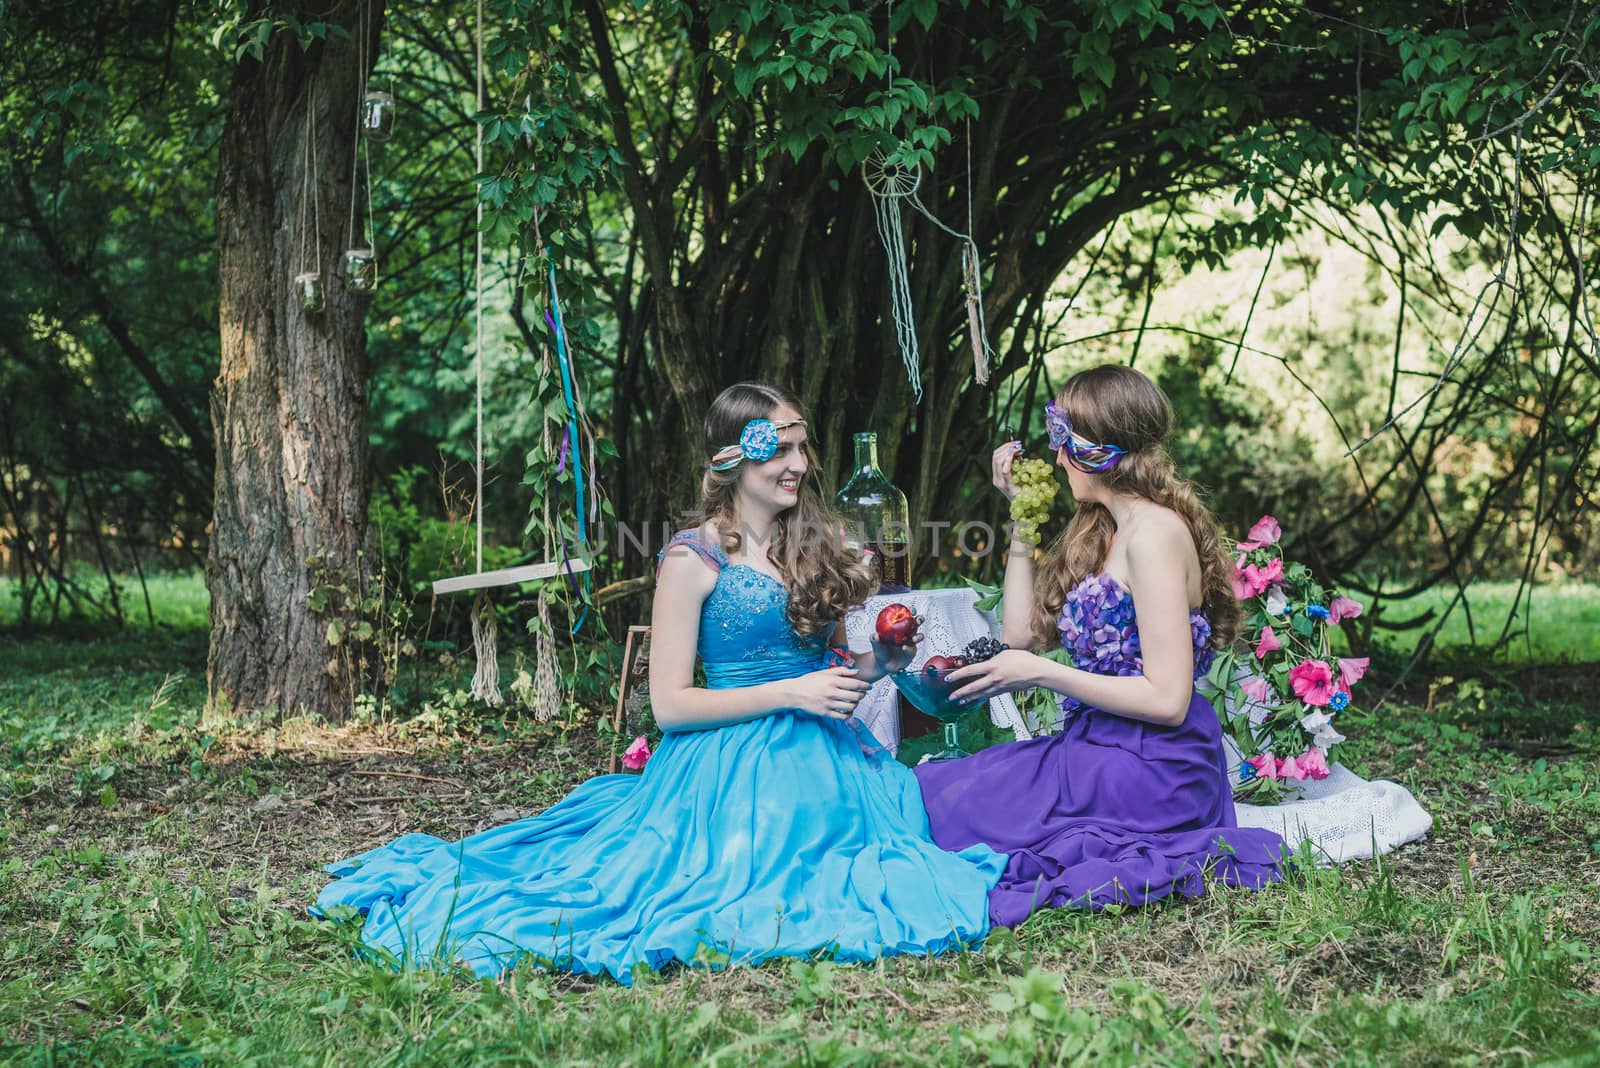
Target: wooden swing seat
point(509, 576)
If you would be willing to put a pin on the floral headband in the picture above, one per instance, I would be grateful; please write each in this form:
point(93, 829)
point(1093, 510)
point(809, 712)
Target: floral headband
point(758, 441)
point(1086, 456)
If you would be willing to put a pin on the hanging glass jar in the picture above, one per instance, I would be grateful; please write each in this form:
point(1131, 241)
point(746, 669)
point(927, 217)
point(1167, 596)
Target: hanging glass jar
point(308, 287)
point(361, 269)
point(377, 115)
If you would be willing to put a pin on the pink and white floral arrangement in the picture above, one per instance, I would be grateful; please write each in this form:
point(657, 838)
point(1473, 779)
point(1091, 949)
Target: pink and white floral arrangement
point(1282, 669)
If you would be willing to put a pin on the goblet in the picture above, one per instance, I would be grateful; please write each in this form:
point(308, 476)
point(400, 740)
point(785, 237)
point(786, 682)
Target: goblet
point(928, 689)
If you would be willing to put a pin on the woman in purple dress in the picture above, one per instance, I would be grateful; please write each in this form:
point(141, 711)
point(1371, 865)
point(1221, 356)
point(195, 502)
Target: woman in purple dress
point(1130, 801)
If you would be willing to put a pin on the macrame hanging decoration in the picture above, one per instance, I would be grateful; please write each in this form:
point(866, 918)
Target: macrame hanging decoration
point(972, 281)
point(890, 183)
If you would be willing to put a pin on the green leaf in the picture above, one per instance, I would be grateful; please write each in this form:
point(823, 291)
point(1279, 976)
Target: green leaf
point(1104, 67)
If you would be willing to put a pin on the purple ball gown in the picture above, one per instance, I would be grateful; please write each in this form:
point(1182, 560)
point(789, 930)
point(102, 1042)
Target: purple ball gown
point(1110, 809)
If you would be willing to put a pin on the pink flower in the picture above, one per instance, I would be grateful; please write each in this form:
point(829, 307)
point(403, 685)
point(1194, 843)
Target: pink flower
point(1269, 643)
point(1241, 585)
point(1269, 573)
point(1265, 764)
point(1342, 608)
point(1292, 769)
point(1250, 579)
point(1314, 763)
point(1351, 669)
point(1312, 681)
point(637, 754)
point(1265, 532)
point(1257, 689)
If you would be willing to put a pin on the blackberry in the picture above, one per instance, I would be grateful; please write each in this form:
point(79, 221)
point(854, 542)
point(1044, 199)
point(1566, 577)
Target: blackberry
point(980, 649)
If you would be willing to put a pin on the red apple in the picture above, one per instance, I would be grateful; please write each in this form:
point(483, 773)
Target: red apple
point(897, 624)
point(958, 661)
point(936, 665)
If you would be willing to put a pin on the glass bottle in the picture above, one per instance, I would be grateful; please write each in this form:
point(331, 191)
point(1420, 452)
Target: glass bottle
point(877, 518)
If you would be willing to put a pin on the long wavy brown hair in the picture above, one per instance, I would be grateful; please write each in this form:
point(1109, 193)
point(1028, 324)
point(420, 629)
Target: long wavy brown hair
point(1119, 406)
point(825, 577)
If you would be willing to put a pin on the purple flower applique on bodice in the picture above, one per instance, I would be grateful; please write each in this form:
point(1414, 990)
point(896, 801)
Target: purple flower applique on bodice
point(1099, 631)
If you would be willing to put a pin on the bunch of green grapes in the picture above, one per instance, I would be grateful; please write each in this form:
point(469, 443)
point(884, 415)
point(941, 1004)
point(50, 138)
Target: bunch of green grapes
point(1036, 488)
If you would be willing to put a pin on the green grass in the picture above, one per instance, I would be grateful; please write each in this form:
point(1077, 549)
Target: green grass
point(1561, 623)
point(154, 871)
point(83, 679)
point(177, 600)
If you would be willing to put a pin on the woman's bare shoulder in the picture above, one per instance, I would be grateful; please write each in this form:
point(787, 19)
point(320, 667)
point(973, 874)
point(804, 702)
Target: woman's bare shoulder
point(1156, 530)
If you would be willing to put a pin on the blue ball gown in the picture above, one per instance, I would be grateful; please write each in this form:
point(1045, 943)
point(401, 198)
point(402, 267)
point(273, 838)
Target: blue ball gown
point(778, 836)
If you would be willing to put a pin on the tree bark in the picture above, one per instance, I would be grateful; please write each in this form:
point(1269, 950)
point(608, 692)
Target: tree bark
point(289, 405)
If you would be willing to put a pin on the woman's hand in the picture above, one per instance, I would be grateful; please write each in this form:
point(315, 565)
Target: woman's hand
point(892, 658)
point(1001, 462)
point(1005, 672)
point(831, 693)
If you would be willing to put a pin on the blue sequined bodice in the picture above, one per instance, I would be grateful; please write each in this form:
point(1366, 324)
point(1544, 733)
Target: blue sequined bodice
point(1098, 628)
point(745, 634)
point(745, 619)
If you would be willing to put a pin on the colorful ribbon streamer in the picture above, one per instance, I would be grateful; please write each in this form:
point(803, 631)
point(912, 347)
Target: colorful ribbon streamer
point(571, 444)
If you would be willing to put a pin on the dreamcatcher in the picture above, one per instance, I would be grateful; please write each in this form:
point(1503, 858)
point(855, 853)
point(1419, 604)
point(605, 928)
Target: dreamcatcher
point(892, 183)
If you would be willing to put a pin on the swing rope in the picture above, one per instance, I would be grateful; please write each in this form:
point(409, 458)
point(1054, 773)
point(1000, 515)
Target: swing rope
point(486, 676)
point(477, 273)
point(310, 210)
point(486, 682)
point(546, 685)
point(359, 158)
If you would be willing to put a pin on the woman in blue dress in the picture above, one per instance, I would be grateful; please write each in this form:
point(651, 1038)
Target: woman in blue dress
point(765, 824)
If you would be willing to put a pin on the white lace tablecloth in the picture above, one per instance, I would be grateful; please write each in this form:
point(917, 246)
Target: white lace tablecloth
point(950, 619)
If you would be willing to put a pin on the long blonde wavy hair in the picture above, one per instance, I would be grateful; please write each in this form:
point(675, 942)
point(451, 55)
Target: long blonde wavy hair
point(825, 577)
point(1119, 406)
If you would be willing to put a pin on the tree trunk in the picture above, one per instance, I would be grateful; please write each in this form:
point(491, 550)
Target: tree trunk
point(289, 407)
